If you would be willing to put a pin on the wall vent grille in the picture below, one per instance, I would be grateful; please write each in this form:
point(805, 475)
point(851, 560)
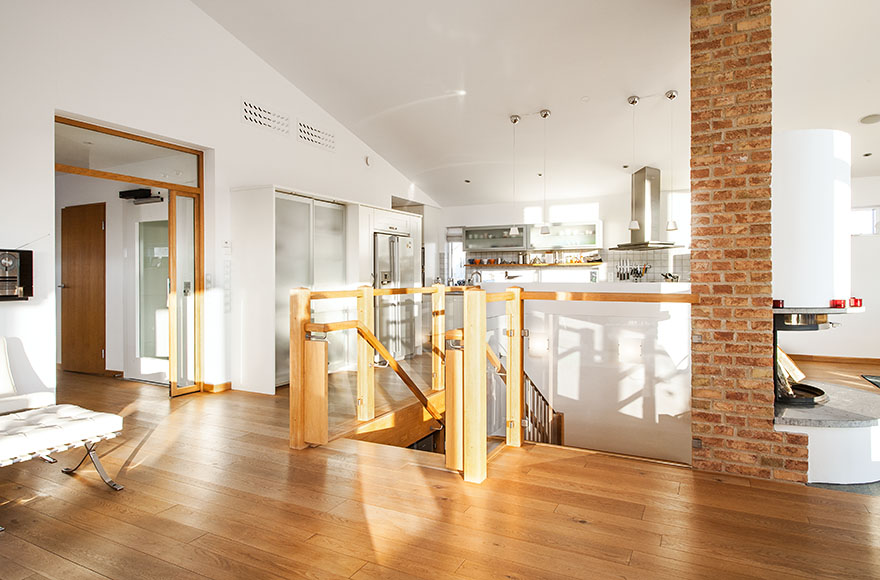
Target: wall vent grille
point(314, 136)
point(261, 116)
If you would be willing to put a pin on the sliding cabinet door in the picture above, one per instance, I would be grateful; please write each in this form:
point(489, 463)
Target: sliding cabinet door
point(293, 269)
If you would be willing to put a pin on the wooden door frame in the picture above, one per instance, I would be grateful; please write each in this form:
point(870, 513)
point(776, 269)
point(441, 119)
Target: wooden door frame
point(103, 313)
point(198, 249)
point(197, 193)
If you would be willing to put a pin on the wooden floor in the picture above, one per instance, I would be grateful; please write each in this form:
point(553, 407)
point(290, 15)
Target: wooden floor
point(213, 491)
point(391, 393)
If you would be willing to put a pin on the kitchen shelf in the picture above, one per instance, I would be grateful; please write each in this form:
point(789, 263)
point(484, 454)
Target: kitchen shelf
point(508, 266)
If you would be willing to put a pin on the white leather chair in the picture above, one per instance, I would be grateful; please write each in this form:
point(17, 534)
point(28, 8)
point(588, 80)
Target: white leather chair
point(20, 387)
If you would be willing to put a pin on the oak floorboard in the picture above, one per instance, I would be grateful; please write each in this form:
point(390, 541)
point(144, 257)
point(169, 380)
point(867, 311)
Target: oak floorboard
point(212, 490)
point(9, 570)
point(420, 562)
point(105, 557)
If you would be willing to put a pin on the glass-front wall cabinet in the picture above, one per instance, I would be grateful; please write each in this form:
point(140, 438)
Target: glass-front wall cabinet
point(566, 236)
point(494, 238)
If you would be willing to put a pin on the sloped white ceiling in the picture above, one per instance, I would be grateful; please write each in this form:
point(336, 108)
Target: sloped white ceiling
point(430, 85)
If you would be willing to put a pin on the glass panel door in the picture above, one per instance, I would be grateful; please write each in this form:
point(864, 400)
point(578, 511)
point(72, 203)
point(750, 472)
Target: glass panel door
point(184, 299)
point(146, 260)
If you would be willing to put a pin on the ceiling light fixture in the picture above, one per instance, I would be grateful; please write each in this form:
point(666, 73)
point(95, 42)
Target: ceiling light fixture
point(868, 154)
point(671, 224)
point(870, 119)
point(514, 119)
point(545, 229)
point(633, 101)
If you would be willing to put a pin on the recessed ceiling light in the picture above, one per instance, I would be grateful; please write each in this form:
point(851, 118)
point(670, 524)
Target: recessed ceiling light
point(540, 175)
point(868, 154)
point(870, 119)
point(625, 166)
point(467, 180)
point(88, 143)
point(586, 98)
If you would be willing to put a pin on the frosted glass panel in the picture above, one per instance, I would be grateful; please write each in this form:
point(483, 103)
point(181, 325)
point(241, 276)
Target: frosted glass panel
point(293, 269)
point(185, 216)
point(329, 245)
point(152, 310)
point(330, 275)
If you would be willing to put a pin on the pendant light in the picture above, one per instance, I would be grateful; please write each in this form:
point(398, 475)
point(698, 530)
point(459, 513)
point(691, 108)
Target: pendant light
point(633, 101)
point(545, 229)
point(671, 224)
point(514, 119)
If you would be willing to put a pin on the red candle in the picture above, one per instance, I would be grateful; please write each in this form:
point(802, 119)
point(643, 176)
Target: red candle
point(838, 304)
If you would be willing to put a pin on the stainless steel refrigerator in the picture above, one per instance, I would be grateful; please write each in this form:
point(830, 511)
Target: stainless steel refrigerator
point(394, 267)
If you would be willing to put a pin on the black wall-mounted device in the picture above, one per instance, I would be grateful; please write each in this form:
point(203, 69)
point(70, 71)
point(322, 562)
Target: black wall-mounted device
point(16, 274)
point(143, 193)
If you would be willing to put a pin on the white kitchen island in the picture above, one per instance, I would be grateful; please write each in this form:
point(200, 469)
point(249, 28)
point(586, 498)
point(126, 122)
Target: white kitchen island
point(619, 371)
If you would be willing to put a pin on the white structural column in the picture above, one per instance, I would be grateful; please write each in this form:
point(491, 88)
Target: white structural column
point(811, 206)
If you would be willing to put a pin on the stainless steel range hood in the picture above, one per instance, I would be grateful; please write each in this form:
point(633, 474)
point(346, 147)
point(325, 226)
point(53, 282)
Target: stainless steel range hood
point(645, 212)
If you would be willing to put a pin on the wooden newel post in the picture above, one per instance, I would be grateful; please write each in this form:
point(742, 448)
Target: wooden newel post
point(300, 314)
point(316, 403)
point(454, 415)
point(366, 377)
point(515, 324)
point(438, 337)
point(474, 395)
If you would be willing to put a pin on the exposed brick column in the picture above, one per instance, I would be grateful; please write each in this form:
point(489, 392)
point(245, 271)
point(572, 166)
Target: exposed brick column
point(732, 352)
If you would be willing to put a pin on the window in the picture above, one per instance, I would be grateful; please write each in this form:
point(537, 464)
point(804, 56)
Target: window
point(865, 221)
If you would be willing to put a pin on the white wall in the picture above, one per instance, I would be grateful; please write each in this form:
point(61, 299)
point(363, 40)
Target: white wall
point(612, 209)
point(858, 335)
point(83, 59)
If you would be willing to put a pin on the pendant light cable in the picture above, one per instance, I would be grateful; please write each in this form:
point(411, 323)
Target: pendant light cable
point(514, 230)
point(545, 229)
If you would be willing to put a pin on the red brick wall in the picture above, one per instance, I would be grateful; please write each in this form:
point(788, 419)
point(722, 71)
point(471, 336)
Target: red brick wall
point(732, 363)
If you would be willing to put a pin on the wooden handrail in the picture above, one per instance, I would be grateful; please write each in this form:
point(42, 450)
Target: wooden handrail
point(330, 326)
point(396, 291)
point(329, 294)
point(493, 358)
point(611, 297)
point(526, 295)
point(455, 334)
point(499, 296)
point(395, 366)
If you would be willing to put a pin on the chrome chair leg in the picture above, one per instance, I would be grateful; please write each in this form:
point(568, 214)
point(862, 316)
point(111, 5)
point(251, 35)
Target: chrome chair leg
point(96, 461)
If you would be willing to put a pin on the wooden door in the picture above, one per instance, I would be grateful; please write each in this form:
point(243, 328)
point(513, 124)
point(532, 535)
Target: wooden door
point(82, 288)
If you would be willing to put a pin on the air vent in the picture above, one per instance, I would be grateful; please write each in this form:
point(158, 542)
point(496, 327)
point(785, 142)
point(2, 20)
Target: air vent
point(263, 117)
point(314, 136)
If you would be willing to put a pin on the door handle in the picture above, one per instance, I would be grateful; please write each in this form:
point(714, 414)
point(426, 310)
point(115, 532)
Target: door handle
point(62, 286)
